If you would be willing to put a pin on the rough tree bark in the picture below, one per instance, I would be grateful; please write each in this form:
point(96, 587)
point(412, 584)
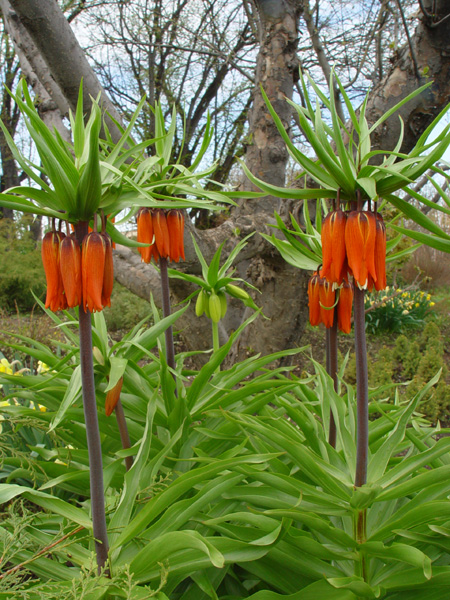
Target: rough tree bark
point(283, 289)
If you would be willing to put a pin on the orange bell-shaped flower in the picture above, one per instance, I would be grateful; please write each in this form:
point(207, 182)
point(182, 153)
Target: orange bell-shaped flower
point(380, 253)
point(55, 299)
point(327, 297)
point(108, 275)
point(93, 268)
point(113, 397)
point(360, 233)
point(161, 231)
point(333, 246)
point(70, 265)
point(145, 234)
point(175, 226)
point(344, 307)
point(313, 300)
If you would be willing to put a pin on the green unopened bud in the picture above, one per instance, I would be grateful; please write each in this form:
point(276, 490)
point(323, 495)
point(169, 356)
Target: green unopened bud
point(200, 304)
point(215, 308)
point(223, 304)
point(237, 292)
point(206, 305)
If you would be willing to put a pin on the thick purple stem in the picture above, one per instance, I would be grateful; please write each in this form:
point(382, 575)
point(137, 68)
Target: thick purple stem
point(92, 429)
point(332, 368)
point(362, 390)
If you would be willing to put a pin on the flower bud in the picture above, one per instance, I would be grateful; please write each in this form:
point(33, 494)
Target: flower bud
point(113, 397)
point(93, 269)
point(70, 265)
point(55, 299)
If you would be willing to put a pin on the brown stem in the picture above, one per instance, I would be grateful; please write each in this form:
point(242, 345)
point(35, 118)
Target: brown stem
point(92, 429)
point(123, 430)
point(332, 368)
point(41, 552)
point(362, 390)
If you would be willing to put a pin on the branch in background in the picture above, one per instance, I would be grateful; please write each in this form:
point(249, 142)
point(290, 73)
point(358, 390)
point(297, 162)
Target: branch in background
point(53, 105)
point(410, 44)
point(421, 184)
point(322, 58)
point(61, 52)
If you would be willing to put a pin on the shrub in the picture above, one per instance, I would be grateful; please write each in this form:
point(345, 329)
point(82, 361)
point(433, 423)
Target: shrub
point(23, 269)
point(396, 310)
point(126, 309)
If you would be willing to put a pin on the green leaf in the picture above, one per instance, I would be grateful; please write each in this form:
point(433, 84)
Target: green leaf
point(397, 106)
point(89, 188)
point(425, 238)
point(73, 392)
point(416, 215)
point(368, 184)
point(56, 505)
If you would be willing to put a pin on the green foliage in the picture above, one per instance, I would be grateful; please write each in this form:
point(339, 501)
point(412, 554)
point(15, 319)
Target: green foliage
point(22, 269)
point(395, 310)
point(179, 520)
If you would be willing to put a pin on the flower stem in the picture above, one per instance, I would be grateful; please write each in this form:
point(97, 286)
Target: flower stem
point(362, 390)
point(92, 429)
point(332, 368)
point(215, 336)
point(165, 289)
point(360, 534)
point(123, 431)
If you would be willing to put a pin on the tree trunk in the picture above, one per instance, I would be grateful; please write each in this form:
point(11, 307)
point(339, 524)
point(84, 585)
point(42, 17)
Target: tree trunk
point(426, 59)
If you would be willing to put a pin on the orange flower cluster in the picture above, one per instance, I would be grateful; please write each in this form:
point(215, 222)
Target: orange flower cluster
point(164, 231)
point(354, 245)
point(353, 250)
point(322, 301)
point(78, 276)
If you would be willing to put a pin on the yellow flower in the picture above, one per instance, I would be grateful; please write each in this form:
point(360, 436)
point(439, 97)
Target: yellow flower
point(405, 312)
point(42, 367)
point(428, 296)
point(432, 303)
point(5, 366)
point(417, 304)
point(405, 295)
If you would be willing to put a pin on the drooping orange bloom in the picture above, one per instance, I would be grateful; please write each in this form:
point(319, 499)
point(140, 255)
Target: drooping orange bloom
point(175, 226)
point(327, 297)
point(163, 231)
point(333, 246)
point(113, 397)
point(70, 265)
point(145, 234)
point(93, 268)
point(108, 275)
point(313, 300)
point(55, 299)
point(380, 253)
point(360, 232)
point(344, 307)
